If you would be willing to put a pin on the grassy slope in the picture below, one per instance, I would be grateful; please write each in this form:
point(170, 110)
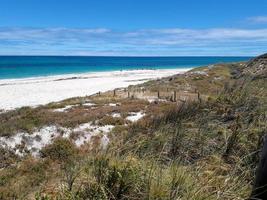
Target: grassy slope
point(197, 150)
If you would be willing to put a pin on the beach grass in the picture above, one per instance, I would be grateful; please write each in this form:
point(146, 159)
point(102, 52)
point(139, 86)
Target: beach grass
point(205, 148)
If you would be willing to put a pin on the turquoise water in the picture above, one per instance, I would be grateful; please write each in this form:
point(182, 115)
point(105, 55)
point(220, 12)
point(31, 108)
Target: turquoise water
point(33, 66)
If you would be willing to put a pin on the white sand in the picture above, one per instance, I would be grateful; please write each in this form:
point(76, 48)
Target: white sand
point(116, 115)
point(135, 116)
point(69, 107)
point(15, 93)
point(90, 130)
point(89, 104)
point(64, 109)
point(34, 142)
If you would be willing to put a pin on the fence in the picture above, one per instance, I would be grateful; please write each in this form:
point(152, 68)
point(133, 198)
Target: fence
point(159, 95)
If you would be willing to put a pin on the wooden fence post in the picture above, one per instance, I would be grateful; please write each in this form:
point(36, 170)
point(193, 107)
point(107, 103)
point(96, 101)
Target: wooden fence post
point(174, 96)
point(198, 97)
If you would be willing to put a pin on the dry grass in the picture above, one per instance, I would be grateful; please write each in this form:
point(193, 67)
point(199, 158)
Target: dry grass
point(196, 150)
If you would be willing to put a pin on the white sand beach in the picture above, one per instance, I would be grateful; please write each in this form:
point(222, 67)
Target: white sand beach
point(15, 93)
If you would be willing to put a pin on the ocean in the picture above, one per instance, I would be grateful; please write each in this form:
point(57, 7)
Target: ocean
point(34, 66)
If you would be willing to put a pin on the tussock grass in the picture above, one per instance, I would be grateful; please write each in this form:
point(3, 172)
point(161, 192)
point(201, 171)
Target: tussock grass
point(197, 150)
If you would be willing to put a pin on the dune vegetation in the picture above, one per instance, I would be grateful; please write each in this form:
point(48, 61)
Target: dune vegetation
point(204, 143)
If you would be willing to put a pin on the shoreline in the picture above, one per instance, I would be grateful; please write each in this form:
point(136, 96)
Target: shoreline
point(87, 75)
point(35, 91)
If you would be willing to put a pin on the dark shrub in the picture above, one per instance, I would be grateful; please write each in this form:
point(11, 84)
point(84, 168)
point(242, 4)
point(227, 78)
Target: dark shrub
point(62, 150)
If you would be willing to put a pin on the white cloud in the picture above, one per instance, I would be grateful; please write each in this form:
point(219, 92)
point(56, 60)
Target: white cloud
point(258, 19)
point(176, 41)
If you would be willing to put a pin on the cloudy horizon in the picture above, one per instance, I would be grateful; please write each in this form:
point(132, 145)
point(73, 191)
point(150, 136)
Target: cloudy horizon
point(133, 28)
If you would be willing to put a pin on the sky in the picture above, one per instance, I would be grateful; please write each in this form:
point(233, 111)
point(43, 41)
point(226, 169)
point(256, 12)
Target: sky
point(133, 27)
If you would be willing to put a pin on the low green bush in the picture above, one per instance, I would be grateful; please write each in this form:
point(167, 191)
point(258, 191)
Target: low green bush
point(62, 150)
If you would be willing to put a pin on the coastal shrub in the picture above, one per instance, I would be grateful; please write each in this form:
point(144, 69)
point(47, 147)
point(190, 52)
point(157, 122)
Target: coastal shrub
point(112, 179)
point(39, 196)
point(35, 170)
point(18, 181)
point(176, 113)
point(62, 150)
point(7, 157)
point(177, 151)
point(70, 172)
point(109, 120)
point(24, 119)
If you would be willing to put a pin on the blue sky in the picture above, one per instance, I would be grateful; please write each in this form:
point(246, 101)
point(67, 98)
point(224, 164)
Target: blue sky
point(133, 27)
